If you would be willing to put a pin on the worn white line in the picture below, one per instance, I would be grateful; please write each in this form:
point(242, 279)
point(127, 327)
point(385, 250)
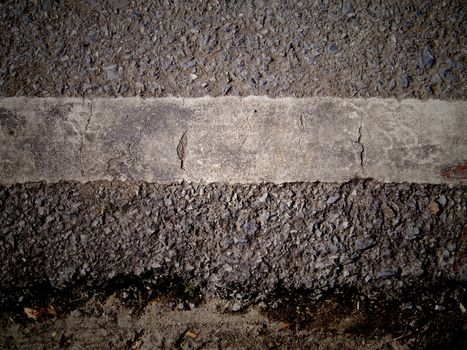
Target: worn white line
point(336, 139)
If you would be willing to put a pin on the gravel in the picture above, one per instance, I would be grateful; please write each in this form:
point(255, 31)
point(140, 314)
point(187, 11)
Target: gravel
point(275, 48)
point(428, 60)
point(231, 238)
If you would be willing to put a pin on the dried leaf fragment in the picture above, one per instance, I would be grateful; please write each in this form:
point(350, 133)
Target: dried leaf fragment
point(434, 207)
point(191, 334)
point(33, 313)
point(36, 313)
point(51, 310)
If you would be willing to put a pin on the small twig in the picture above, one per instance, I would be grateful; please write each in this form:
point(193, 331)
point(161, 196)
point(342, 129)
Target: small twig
point(399, 337)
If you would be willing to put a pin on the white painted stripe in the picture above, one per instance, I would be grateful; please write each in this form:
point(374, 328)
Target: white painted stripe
point(231, 139)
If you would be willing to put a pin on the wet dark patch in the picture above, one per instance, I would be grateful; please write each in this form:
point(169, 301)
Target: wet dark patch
point(415, 316)
point(55, 111)
point(425, 317)
point(11, 122)
point(135, 292)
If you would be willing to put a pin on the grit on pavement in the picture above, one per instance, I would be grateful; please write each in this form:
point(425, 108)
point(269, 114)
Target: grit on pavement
point(233, 174)
point(363, 48)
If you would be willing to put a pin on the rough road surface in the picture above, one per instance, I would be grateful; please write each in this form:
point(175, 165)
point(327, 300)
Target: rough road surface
point(252, 239)
point(260, 255)
point(362, 48)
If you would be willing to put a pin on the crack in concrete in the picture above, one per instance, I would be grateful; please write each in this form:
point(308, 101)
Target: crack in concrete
point(134, 158)
point(243, 142)
point(359, 138)
point(419, 129)
point(248, 120)
point(359, 141)
point(182, 149)
point(86, 127)
point(302, 125)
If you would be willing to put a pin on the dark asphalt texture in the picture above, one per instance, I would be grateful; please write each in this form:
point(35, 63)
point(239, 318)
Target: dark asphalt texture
point(247, 239)
point(362, 48)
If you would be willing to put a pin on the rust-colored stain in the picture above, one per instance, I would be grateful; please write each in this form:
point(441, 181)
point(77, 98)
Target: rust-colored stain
point(458, 172)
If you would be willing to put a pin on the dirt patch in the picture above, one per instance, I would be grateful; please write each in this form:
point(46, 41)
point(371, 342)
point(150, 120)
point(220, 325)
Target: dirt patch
point(127, 319)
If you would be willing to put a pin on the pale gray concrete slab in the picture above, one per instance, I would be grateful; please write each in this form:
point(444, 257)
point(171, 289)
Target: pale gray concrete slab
point(231, 139)
point(413, 140)
point(41, 139)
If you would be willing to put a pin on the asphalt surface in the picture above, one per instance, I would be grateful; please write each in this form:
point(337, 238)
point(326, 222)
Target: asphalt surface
point(197, 48)
point(247, 239)
point(248, 244)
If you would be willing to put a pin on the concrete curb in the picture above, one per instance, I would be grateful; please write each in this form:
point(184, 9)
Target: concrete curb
point(232, 140)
